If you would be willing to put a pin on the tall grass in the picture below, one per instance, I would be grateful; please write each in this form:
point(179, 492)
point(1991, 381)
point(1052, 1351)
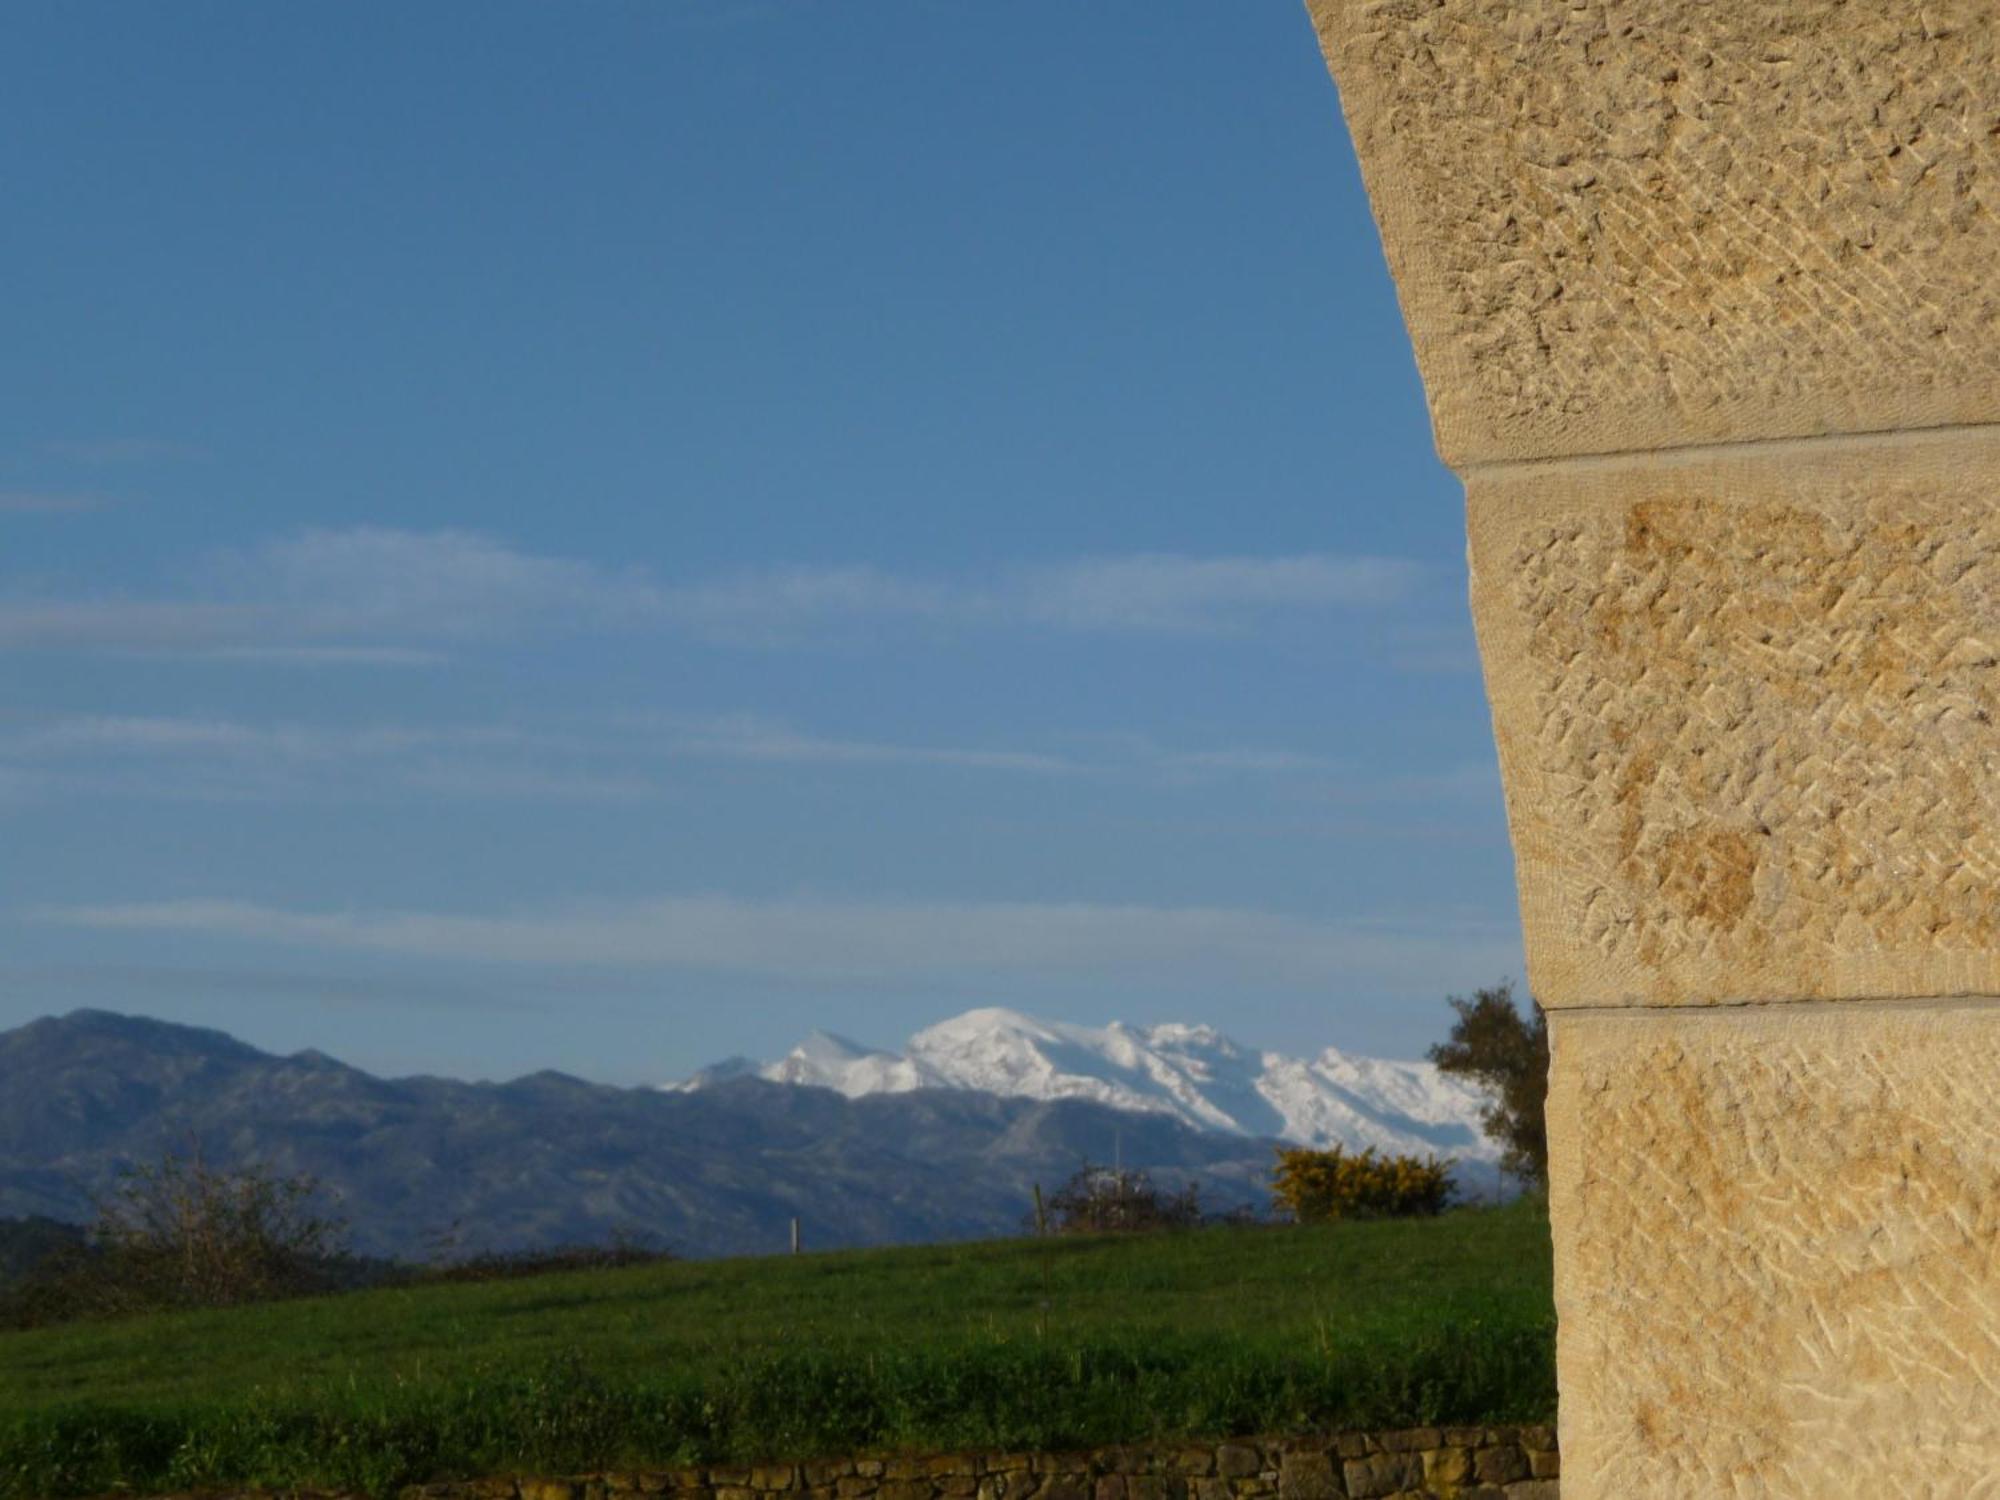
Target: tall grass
point(1021, 1345)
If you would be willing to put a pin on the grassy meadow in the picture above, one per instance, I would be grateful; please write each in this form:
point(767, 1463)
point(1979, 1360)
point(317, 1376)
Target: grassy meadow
point(1027, 1343)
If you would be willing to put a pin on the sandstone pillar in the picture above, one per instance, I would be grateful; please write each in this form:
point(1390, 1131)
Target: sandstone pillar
point(1706, 297)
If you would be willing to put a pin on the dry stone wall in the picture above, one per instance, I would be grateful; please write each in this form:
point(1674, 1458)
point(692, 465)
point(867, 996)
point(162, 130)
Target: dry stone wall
point(1706, 297)
point(1425, 1463)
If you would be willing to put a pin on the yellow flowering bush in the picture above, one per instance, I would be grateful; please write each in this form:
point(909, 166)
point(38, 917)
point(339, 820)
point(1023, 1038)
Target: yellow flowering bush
point(1317, 1186)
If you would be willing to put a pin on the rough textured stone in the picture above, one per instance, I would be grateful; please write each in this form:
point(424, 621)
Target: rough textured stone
point(1778, 1249)
point(1396, 1465)
point(1748, 707)
point(1619, 227)
point(1382, 1474)
point(1410, 1439)
point(1502, 1465)
point(1308, 1476)
point(1447, 1467)
point(1236, 1461)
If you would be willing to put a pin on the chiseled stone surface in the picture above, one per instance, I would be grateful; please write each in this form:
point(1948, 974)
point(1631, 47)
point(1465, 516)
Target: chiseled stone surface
point(1778, 1250)
point(1626, 226)
point(1748, 708)
point(1706, 296)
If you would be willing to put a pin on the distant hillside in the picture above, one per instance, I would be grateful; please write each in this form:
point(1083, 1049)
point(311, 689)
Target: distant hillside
point(548, 1158)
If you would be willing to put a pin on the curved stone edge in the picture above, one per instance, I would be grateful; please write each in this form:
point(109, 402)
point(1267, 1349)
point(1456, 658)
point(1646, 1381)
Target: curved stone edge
point(1622, 228)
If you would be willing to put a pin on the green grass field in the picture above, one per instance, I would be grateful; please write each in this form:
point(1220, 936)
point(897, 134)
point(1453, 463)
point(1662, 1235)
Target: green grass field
point(1008, 1344)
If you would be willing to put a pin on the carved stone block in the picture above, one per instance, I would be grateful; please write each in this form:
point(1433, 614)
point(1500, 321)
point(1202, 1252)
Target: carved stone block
point(1620, 227)
point(1778, 1250)
point(1748, 709)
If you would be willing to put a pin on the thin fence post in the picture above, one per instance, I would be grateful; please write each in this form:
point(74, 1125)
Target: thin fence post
point(1041, 1212)
point(795, 1234)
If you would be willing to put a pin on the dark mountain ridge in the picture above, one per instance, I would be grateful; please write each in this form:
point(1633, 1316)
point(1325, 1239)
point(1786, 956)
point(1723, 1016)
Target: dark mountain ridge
point(549, 1159)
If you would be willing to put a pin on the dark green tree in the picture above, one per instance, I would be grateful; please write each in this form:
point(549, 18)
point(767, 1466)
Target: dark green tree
point(1507, 1055)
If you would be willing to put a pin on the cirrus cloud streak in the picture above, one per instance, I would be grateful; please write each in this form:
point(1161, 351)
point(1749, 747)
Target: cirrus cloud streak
point(383, 595)
point(849, 940)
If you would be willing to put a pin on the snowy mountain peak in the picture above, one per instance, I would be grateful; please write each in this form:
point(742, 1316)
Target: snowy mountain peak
point(1192, 1072)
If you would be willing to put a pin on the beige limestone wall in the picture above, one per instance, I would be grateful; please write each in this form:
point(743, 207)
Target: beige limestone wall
point(1748, 714)
point(1706, 297)
point(1780, 1268)
point(1628, 224)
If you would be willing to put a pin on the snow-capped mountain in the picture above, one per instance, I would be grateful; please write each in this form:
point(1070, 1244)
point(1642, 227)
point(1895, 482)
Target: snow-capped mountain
point(1192, 1072)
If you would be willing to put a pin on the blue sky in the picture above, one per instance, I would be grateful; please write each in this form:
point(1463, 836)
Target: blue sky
point(604, 536)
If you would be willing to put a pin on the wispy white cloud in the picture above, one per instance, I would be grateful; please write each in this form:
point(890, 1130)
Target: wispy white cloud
point(783, 606)
point(1433, 649)
point(158, 734)
point(369, 594)
point(386, 596)
point(1165, 592)
point(523, 783)
point(1145, 593)
point(374, 583)
point(219, 759)
point(333, 656)
point(839, 940)
point(752, 739)
point(1246, 760)
point(1126, 757)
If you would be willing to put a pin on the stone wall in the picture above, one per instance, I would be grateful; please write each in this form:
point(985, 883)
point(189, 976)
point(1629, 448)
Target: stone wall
point(1449, 1463)
point(1706, 297)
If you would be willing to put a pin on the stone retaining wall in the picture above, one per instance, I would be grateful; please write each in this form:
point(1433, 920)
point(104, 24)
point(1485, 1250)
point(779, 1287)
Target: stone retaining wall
point(1448, 1463)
